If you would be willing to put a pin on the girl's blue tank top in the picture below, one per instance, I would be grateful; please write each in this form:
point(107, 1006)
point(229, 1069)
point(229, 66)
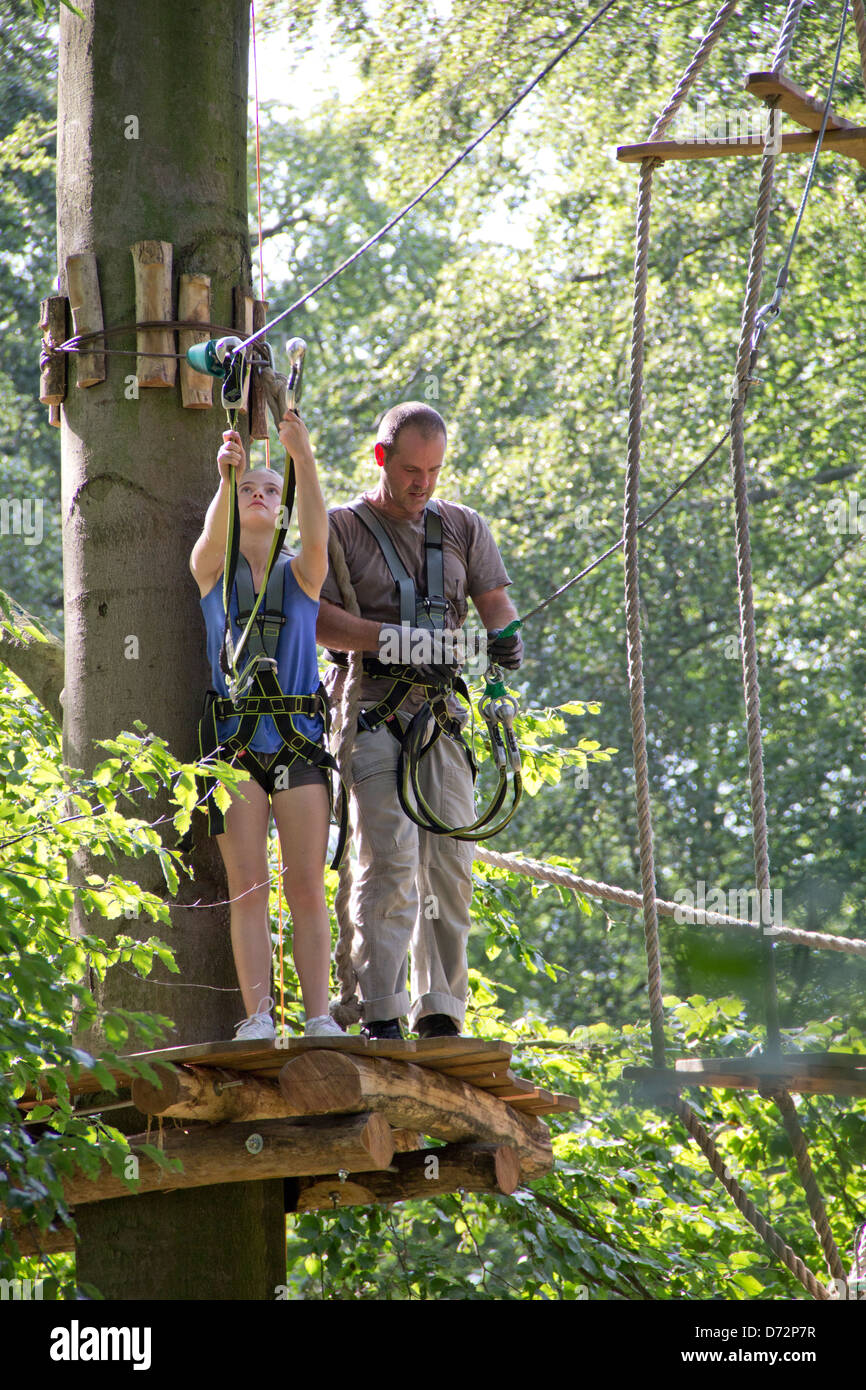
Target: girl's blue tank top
point(297, 668)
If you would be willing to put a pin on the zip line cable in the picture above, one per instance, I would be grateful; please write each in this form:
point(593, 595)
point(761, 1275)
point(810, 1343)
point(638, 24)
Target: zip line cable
point(398, 216)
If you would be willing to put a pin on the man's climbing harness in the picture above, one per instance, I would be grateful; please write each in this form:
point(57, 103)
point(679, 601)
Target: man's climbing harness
point(436, 684)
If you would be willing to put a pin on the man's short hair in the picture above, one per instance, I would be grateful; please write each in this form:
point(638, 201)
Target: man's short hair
point(421, 417)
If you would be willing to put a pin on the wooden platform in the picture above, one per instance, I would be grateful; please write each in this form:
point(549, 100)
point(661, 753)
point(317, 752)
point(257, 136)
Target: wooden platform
point(807, 1073)
point(485, 1065)
point(345, 1119)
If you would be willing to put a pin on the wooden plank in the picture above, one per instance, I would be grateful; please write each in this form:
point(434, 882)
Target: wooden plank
point(85, 303)
point(795, 101)
point(808, 1064)
point(850, 142)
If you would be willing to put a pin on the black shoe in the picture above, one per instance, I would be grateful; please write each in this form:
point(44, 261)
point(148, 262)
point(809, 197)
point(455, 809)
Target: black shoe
point(437, 1026)
point(386, 1029)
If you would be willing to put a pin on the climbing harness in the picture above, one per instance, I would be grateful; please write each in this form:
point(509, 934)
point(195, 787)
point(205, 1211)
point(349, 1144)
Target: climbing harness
point(265, 698)
point(254, 691)
point(498, 708)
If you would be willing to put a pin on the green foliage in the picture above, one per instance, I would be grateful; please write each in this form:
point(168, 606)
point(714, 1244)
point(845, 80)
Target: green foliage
point(48, 814)
point(505, 301)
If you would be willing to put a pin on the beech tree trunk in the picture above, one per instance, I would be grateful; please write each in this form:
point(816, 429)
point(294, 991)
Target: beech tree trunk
point(152, 146)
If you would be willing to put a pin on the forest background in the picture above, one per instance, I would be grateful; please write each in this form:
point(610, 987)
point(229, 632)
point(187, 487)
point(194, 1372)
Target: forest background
point(505, 301)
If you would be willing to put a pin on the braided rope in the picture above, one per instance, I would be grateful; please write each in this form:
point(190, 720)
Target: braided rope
point(347, 1009)
point(746, 1206)
point(630, 542)
point(797, 1139)
point(564, 878)
point(786, 35)
point(860, 26)
point(632, 615)
point(632, 612)
point(702, 53)
point(751, 691)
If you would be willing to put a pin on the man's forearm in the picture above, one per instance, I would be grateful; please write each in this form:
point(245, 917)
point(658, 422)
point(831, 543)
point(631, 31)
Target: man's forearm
point(342, 632)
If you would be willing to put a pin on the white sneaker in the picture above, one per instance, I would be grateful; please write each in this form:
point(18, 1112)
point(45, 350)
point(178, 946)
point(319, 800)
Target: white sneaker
point(258, 1025)
point(323, 1027)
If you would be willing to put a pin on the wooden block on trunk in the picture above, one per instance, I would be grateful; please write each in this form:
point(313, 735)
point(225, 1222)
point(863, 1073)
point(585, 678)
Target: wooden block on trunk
point(196, 388)
point(152, 264)
point(52, 377)
point(85, 302)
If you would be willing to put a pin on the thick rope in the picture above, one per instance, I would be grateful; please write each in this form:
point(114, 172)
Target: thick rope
point(746, 1206)
point(630, 545)
point(592, 888)
point(860, 26)
point(797, 1139)
point(786, 35)
point(702, 53)
point(749, 637)
point(632, 605)
point(632, 616)
point(347, 1009)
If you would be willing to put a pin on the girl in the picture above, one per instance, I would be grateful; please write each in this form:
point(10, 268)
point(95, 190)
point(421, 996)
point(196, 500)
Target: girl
point(296, 791)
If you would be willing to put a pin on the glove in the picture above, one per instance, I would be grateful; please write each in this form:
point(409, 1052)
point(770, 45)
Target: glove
point(402, 645)
point(505, 651)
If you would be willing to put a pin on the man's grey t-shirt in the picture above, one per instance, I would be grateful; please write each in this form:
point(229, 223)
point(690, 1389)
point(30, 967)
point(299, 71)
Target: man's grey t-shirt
point(472, 566)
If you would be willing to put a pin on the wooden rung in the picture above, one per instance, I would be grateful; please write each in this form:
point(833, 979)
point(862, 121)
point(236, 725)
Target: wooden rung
point(795, 101)
point(839, 1074)
point(850, 141)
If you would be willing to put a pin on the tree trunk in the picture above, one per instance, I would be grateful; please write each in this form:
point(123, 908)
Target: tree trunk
point(152, 145)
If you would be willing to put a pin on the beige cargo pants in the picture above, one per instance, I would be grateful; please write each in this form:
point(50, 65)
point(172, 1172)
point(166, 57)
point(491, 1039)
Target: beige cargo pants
point(411, 890)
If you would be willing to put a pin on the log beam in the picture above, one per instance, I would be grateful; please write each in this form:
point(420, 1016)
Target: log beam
point(456, 1167)
point(191, 1093)
point(249, 1152)
point(409, 1097)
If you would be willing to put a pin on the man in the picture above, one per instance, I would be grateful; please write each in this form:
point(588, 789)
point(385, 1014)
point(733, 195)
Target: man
point(411, 887)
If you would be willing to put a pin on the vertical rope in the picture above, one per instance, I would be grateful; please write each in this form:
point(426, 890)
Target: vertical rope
point(280, 929)
point(632, 616)
point(748, 638)
point(860, 26)
point(630, 542)
point(259, 186)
